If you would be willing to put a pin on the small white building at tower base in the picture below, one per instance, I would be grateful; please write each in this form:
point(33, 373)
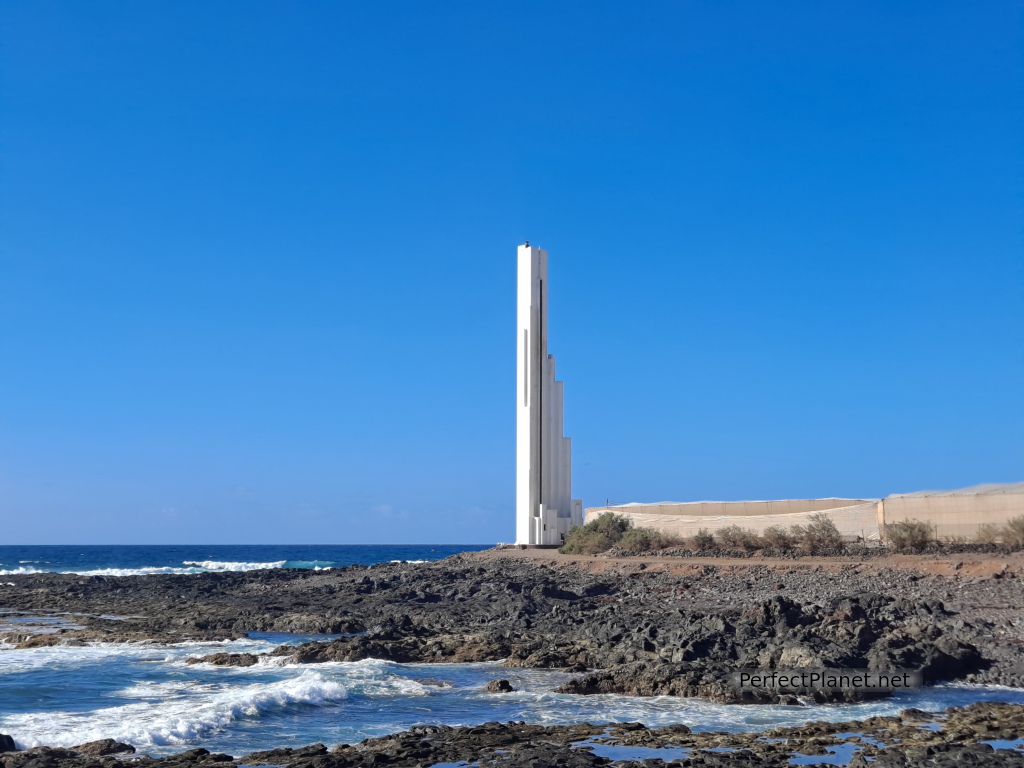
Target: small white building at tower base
point(544, 508)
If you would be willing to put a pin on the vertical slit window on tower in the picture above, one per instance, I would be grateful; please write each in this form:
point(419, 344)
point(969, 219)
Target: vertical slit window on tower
point(526, 367)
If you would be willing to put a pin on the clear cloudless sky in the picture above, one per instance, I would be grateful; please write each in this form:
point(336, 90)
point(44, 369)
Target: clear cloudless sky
point(257, 259)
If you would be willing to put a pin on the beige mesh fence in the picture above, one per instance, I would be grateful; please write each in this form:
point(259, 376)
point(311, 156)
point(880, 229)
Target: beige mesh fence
point(856, 520)
point(952, 514)
point(736, 508)
point(958, 514)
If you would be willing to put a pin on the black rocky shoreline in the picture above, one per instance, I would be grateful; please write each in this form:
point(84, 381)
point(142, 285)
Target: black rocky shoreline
point(955, 738)
point(629, 630)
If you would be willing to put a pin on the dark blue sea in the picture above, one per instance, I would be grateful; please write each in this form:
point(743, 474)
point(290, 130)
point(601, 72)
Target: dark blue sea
point(103, 560)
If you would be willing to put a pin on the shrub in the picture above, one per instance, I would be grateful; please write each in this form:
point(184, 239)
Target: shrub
point(909, 535)
point(819, 535)
point(730, 536)
point(1013, 533)
point(598, 535)
point(646, 540)
point(703, 539)
point(988, 534)
point(735, 537)
point(777, 537)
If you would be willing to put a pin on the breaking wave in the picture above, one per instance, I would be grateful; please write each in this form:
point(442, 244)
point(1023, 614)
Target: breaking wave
point(71, 659)
point(215, 565)
point(169, 714)
point(144, 571)
point(187, 567)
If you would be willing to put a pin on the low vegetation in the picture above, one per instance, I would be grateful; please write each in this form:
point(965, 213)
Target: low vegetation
point(988, 534)
point(909, 535)
point(703, 540)
point(917, 536)
point(819, 537)
point(647, 540)
point(1013, 533)
point(734, 537)
point(609, 530)
point(777, 537)
point(598, 535)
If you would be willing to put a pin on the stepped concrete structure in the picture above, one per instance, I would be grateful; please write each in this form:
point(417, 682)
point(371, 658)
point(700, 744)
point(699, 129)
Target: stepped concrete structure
point(545, 509)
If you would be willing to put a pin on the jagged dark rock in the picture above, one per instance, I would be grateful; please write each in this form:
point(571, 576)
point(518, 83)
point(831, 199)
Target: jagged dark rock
point(499, 686)
point(104, 747)
point(636, 631)
point(226, 659)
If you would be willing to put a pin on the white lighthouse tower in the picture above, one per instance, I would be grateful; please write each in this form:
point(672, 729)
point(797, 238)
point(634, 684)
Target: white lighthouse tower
point(544, 508)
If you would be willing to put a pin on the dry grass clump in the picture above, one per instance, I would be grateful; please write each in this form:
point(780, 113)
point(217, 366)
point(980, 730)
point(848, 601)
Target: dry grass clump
point(734, 537)
point(703, 539)
point(909, 535)
point(598, 535)
point(819, 536)
point(777, 537)
point(1013, 533)
point(988, 534)
point(611, 530)
point(917, 535)
point(647, 540)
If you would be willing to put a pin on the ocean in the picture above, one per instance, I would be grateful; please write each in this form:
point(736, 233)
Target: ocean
point(103, 560)
point(147, 695)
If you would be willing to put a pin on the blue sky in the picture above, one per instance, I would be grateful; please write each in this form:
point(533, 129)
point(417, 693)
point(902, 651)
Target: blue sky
point(257, 259)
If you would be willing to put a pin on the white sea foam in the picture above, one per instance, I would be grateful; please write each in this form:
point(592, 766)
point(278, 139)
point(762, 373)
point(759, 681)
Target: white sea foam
point(373, 677)
point(163, 705)
point(171, 714)
point(190, 567)
point(216, 565)
point(144, 571)
point(69, 657)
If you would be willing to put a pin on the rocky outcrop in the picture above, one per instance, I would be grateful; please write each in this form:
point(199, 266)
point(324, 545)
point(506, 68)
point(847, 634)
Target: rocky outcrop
point(284, 755)
point(226, 659)
point(636, 631)
point(397, 645)
point(660, 678)
point(104, 747)
point(684, 652)
point(499, 686)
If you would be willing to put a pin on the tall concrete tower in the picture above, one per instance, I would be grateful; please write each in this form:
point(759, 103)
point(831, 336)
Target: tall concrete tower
point(544, 508)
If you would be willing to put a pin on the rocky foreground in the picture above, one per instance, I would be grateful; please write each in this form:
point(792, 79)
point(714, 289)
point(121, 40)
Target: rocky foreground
point(632, 631)
point(622, 628)
point(981, 734)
